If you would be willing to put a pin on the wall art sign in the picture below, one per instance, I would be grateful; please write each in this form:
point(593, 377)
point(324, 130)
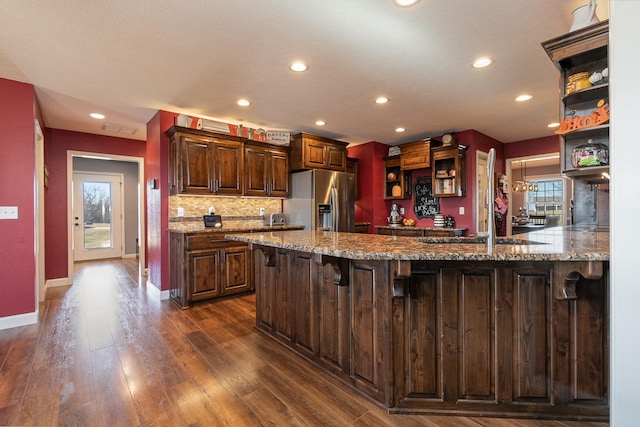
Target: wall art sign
point(425, 204)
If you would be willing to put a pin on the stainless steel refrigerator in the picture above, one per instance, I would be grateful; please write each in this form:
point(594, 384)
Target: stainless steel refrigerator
point(321, 200)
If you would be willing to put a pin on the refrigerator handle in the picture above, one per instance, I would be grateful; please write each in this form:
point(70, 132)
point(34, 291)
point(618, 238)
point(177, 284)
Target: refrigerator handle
point(335, 215)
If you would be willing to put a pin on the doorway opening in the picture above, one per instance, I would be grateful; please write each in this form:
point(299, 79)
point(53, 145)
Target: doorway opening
point(132, 238)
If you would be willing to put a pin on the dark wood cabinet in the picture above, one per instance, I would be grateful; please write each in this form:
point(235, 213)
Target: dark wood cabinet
point(361, 228)
point(417, 154)
point(204, 163)
point(267, 171)
point(397, 183)
point(420, 231)
point(448, 172)
point(228, 167)
point(485, 338)
point(305, 301)
point(494, 338)
point(582, 108)
point(207, 163)
point(203, 266)
point(316, 152)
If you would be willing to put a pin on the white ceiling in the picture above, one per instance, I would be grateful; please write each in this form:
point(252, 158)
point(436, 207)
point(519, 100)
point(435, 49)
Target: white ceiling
point(128, 59)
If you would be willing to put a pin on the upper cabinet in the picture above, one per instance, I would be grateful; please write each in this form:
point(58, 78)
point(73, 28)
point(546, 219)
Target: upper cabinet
point(581, 57)
point(205, 163)
point(208, 163)
point(448, 171)
point(266, 170)
point(397, 183)
point(416, 155)
point(316, 152)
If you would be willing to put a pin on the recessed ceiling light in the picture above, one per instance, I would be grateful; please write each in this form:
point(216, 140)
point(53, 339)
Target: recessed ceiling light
point(382, 100)
point(400, 129)
point(298, 66)
point(320, 122)
point(243, 102)
point(522, 98)
point(482, 62)
point(553, 125)
point(97, 116)
point(405, 3)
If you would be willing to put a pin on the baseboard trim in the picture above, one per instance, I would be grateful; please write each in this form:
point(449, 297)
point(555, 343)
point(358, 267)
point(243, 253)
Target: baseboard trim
point(129, 256)
point(157, 293)
point(53, 283)
point(18, 320)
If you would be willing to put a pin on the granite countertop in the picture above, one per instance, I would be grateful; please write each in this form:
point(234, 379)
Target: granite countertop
point(550, 244)
point(228, 227)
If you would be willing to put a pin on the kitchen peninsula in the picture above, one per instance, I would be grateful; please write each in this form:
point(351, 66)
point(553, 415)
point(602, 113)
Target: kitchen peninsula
point(433, 325)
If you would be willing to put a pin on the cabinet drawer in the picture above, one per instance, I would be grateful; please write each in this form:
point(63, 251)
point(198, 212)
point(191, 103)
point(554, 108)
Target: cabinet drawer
point(206, 241)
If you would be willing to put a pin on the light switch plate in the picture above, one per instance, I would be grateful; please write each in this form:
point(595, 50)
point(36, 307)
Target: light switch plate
point(461, 210)
point(8, 212)
point(180, 211)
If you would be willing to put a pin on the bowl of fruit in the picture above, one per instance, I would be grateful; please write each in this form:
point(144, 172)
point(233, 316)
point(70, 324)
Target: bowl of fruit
point(408, 222)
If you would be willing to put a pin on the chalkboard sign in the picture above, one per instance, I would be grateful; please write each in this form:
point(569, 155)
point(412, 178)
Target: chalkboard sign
point(425, 205)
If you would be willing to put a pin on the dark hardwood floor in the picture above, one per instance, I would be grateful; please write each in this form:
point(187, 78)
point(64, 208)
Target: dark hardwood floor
point(107, 353)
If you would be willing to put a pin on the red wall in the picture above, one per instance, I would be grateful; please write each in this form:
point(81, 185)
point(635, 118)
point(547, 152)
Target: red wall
point(17, 166)
point(157, 167)
point(532, 147)
point(57, 143)
point(371, 206)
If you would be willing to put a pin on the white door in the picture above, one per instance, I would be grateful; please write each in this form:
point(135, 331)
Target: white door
point(481, 192)
point(97, 216)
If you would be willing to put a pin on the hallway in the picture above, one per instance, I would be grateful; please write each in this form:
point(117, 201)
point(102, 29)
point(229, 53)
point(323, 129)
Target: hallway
point(107, 353)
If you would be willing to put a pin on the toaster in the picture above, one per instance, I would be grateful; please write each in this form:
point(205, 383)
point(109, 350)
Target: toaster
point(274, 219)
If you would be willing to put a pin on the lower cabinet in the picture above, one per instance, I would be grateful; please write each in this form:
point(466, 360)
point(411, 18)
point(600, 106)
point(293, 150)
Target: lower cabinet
point(420, 231)
point(203, 266)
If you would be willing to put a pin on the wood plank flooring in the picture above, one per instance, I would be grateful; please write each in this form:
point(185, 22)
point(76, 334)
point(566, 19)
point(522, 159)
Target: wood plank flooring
point(107, 353)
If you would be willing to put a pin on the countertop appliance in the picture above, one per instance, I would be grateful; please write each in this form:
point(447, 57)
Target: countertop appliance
point(321, 200)
point(274, 219)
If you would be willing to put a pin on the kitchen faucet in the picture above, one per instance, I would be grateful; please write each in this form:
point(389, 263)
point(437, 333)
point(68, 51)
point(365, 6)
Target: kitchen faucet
point(491, 220)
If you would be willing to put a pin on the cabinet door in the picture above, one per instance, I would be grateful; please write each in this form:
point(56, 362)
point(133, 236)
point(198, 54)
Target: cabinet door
point(236, 270)
point(315, 154)
point(411, 232)
point(196, 166)
point(203, 274)
point(279, 173)
point(385, 231)
point(256, 171)
point(228, 167)
point(336, 158)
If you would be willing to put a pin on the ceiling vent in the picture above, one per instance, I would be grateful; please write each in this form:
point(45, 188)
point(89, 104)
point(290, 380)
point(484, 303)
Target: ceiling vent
point(113, 127)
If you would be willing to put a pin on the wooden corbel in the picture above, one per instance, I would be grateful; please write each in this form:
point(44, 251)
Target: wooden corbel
point(567, 274)
point(269, 255)
point(400, 272)
point(339, 269)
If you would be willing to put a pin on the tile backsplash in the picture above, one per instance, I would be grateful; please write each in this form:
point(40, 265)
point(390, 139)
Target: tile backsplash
point(230, 207)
